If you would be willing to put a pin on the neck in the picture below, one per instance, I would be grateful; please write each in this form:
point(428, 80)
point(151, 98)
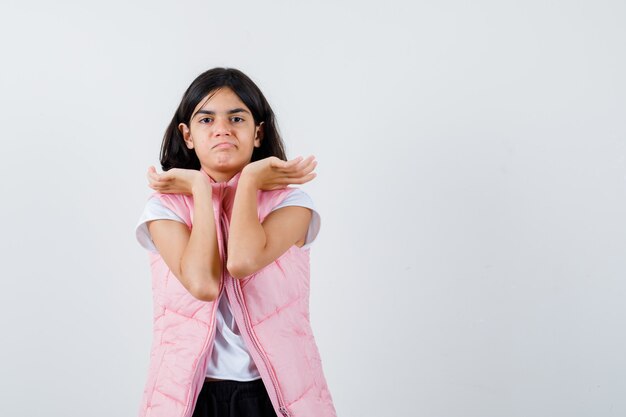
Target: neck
point(219, 176)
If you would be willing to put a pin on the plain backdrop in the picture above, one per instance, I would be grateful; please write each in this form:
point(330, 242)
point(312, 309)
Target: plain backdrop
point(471, 177)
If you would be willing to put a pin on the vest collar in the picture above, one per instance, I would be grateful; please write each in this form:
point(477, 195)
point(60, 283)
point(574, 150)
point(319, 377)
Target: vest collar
point(230, 183)
point(224, 191)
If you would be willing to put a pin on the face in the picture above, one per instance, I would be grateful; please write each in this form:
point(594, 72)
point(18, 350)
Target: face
point(222, 133)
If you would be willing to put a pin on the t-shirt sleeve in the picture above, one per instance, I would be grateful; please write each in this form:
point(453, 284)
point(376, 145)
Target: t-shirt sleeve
point(298, 197)
point(154, 210)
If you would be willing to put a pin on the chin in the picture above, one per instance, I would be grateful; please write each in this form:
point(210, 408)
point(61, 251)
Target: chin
point(227, 165)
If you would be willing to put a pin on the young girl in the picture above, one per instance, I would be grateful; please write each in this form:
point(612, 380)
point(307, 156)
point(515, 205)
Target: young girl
point(229, 245)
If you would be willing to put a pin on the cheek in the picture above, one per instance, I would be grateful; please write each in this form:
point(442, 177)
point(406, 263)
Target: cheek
point(246, 135)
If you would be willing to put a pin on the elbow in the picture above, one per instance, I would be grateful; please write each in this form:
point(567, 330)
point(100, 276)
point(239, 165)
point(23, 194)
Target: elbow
point(202, 289)
point(239, 269)
point(204, 293)
point(203, 284)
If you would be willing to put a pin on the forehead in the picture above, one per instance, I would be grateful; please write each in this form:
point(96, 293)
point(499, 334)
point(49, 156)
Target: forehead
point(222, 99)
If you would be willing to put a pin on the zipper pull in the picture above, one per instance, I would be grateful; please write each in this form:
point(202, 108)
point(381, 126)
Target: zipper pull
point(284, 411)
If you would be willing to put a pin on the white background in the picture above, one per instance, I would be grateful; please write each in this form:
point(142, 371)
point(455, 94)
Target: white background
point(472, 162)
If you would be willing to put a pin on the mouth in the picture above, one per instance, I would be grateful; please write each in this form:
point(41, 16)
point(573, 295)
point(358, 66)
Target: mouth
point(224, 145)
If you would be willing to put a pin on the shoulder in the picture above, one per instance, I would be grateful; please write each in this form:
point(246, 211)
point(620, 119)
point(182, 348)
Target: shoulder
point(154, 209)
point(296, 197)
point(180, 204)
point(299, 197)
point(159, 206)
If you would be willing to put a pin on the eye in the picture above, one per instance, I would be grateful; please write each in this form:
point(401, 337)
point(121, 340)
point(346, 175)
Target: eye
point(237, 119)
point(205, 120)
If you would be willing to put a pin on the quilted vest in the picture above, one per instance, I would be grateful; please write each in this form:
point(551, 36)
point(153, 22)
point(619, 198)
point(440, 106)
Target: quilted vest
point(271, 309)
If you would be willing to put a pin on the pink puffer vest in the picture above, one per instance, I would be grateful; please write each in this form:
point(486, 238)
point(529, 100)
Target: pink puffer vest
point(271, 308)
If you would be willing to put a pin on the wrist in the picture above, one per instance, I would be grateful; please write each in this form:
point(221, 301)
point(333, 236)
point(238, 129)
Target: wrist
point(247, 181)
point(201, 186)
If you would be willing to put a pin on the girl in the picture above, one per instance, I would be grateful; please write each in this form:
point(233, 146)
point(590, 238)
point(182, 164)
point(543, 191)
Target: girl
point(229, 245)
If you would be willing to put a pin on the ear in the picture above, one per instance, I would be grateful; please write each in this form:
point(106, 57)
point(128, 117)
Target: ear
point(258, 135)
point(184, 130)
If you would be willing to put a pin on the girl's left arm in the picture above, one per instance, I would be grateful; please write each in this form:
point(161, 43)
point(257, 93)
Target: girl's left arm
point(252, 245)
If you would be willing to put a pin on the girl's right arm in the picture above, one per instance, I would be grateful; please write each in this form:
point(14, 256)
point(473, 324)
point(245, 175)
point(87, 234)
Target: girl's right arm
point(193, 257)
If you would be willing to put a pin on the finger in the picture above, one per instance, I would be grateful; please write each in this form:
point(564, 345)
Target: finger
point(278, 164)
point(303, 164)
point(309, 168)
point(303, 179)
point(157, 181)
point(308, 161)
point(294, 165)
point(164, 177)
point(305, 167)
point(304, 171)
point(152, 174)
point(151, 180)
point(309, 177)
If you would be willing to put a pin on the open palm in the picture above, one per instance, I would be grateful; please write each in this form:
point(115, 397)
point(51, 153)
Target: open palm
point(273, 173)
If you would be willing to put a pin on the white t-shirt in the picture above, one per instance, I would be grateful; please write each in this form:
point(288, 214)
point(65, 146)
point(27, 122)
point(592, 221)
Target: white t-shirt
point(230, 358)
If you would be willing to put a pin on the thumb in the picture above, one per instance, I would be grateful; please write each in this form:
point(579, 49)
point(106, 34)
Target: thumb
point(276, 162)
point(293, 162)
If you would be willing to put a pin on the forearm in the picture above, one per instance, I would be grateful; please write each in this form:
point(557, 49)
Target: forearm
point(246, 237)
point(200, 263)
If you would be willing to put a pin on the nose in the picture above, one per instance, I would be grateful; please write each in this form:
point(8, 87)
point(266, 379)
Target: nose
point(221, 127)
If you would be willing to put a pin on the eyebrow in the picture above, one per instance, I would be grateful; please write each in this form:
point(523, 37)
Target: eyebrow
point(211, 112)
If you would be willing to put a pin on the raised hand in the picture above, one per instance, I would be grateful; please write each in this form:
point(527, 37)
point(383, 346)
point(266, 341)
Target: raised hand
point(273, 173)
point(175, 181)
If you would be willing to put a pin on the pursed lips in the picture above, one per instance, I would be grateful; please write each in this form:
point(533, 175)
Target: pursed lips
point(224, 145)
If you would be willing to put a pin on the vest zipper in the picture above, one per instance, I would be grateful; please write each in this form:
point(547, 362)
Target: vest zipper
point(279, 396)
point(248, 327)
